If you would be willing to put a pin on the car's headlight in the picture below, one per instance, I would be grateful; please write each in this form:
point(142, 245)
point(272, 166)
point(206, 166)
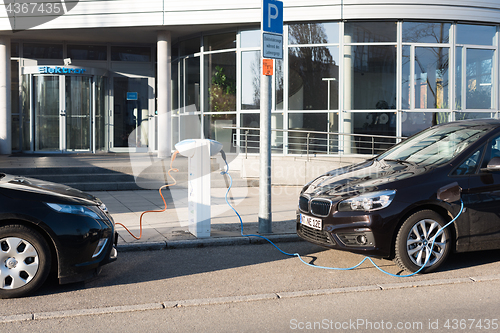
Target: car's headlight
point(368, 202)
point(73, 209)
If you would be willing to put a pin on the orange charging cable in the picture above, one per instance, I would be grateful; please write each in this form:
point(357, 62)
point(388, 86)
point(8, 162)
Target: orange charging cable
point(164, 202)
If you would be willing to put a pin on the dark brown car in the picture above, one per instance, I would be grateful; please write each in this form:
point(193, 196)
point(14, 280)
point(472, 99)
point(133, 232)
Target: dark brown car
point(392, 206)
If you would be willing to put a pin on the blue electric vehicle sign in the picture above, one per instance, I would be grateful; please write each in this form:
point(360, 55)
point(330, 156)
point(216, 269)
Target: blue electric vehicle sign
point(60, 70)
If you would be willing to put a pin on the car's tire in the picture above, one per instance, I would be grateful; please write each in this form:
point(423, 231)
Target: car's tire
point(414, 240)
point(24, 261)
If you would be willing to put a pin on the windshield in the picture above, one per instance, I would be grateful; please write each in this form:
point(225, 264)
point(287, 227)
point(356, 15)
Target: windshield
point(436, 145)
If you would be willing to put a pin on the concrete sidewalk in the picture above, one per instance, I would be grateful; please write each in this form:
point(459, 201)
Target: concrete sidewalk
point(170, 229)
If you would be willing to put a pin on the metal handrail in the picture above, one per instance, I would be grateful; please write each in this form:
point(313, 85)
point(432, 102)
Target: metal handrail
point(372, 138)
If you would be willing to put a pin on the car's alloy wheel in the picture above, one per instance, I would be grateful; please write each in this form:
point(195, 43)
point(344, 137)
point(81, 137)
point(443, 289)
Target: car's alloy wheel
point(24, 261)
point(414, 242)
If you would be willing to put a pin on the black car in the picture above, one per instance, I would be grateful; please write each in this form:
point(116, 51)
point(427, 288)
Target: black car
point(392, 205)
point(47, 227)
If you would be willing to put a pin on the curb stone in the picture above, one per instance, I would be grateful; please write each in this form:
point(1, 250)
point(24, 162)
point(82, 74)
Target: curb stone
point(206, 242)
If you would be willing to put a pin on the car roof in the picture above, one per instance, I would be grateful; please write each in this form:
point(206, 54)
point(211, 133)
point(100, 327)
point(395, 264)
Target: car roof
point(493, 123)
point(476, 122)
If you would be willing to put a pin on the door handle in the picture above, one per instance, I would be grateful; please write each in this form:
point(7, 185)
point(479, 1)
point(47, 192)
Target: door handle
point(62, 113)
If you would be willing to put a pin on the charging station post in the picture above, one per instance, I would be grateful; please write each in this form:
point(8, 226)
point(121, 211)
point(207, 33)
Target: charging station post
point(198, 152)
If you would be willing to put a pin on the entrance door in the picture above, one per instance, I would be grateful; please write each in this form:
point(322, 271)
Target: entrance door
point(131, 113)
point(78, 112)
point(63, 113)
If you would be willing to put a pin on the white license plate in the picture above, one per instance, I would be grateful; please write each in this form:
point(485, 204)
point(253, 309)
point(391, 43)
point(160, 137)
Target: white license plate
point(311, 222)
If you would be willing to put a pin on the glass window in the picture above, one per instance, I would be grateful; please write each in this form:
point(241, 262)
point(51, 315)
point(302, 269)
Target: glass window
point(414, 122)
point(426, 32)
point(219, 42)
point(189, 127)
point(370, 77)
point(312, 70)
point(431, 77)
point(250, 140)
point(279, 82)
point(313, 33)
point(175, 87)
point(87, 52)
point(124, 53)
point(220, 82)
point(42, 51)
point(406, 81)
point(469, 166)
point(298, 141)
point(479, 79)
point(26, 113)
point(14, 86)
point(175, 51)
point(493, 150)
point(15, 133)
point(474, 115)
point(369, 32)
point(14, 50)
point(190, 46)
point(370, 124)
point(190, 82)
point(459, 105)
point(476, 34)
point(215, 128)
point(250, 80)
point(250, 38)
point(14, 89)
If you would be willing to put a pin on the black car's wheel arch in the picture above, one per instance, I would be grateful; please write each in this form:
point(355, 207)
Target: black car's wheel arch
point(54, 255)
point(427, 206)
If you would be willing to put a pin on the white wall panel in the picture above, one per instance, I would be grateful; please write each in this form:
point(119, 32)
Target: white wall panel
point(129, 13)
point(116, 7)
point(108, 21)
point(317, 13)
point(213, 17)
point(204, 5)
point(421, 12)
point(465, 3)
point(102, 13)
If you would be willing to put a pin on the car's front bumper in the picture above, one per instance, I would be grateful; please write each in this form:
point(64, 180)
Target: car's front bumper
point(368, 233)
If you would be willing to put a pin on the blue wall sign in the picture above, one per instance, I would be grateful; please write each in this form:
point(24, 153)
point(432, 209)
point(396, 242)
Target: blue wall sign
point(132, 96)
point(60, 70)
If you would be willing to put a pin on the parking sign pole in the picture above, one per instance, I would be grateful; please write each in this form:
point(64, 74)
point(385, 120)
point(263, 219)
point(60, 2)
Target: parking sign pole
point(265, 215)
point(271, 48)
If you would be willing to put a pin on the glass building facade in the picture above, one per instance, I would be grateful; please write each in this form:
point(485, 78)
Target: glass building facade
point(388, 79)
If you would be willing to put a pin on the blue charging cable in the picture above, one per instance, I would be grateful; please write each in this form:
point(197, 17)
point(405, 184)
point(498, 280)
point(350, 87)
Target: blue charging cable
point(334, 268)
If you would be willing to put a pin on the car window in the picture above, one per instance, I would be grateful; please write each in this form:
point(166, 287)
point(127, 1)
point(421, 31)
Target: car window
point(493, 150)
point(469, 166)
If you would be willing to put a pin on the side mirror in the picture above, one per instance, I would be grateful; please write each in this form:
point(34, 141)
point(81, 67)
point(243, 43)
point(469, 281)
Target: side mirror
point(493, 165)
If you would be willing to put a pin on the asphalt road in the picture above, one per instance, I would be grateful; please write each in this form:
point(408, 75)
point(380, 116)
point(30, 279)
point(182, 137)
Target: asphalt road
point(254, 288)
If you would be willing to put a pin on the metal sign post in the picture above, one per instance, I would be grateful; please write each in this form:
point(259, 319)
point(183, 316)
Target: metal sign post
point(272, 47)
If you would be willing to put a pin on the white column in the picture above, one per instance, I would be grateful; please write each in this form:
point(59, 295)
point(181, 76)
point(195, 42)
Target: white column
point(347, 121)
point(5, 103)
point(164, 76)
